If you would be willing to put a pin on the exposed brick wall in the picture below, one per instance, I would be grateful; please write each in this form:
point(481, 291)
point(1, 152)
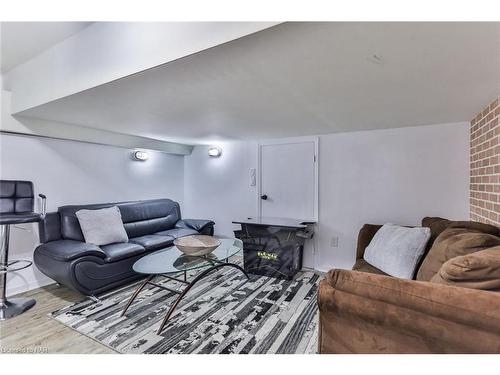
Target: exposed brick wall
point(485, 165)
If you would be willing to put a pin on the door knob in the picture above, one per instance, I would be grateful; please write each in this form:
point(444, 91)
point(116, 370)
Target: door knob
point(264, 197)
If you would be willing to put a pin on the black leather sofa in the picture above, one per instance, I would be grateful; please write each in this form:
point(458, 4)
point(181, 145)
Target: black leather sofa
point(89, 269)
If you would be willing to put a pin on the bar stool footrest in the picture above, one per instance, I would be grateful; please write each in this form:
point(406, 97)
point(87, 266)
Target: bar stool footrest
point(16, 265)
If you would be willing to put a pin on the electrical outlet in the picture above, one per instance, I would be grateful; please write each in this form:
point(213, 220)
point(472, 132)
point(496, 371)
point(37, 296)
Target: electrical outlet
point(334, 242)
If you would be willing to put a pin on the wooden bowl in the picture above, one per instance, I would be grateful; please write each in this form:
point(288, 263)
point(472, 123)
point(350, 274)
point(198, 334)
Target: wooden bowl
point(197, 245)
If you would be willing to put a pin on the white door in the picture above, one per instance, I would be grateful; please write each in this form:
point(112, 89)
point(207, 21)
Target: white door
point(289, 179)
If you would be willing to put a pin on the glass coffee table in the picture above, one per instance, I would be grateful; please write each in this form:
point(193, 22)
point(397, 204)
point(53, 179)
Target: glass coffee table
point(171, 261)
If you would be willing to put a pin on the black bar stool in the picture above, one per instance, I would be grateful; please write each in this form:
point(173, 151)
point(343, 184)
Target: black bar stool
point(16, 207)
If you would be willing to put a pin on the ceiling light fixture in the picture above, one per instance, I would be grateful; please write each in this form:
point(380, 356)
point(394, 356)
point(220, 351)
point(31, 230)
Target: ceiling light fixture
point(214, 152)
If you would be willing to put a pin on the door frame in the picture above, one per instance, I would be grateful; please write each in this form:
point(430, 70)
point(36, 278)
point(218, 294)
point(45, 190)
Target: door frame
point(293, 140)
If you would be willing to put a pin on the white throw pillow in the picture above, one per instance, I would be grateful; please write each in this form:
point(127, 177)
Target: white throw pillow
point(103, 226)
point(397, 250)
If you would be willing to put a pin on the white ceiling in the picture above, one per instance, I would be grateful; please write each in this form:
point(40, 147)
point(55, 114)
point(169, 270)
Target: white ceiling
point(301, 78)
point(22, 41)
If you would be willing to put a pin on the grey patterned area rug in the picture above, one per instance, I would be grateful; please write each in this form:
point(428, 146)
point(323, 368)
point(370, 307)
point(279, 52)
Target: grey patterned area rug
point(224, 313)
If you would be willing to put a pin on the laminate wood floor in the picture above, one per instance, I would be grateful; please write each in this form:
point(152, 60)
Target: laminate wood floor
point(34, 331)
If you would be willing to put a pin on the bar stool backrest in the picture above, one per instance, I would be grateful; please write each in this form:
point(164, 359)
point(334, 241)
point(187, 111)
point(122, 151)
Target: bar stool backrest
point(16, 196)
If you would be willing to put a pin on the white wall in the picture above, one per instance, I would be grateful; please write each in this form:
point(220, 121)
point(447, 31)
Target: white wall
point(395, 175)
point(74, 172)
point(219, 188)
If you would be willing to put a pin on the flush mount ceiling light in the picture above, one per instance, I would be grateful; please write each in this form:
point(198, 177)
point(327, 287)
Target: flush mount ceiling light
point(214, 152)
point(141, 155)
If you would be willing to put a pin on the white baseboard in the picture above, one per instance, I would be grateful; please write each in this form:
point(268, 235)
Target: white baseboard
point(29, 286)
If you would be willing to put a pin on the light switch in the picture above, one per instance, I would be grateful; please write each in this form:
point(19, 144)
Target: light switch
point(253, 178)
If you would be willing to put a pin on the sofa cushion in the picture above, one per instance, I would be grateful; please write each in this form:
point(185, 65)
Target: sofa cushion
point(474, 225)
point(147, 217)
point(365, 235)
point(195, 224)
point(49, 229)
point(66, 250)
point(437, 225)
point(479, 270)
point(177, 232)
point(153, 241)
point(460, 238)
point(363, 266)
point(122, 250)
point(103, 226)
point(396, 250)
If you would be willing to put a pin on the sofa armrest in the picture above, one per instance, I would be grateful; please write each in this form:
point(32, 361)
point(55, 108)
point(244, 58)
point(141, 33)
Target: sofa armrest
point(202, 226)
point(365, 235)
point(67, 250)
point(368, 313)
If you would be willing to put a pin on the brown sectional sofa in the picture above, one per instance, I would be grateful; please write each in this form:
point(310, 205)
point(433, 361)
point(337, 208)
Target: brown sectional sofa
point(443, 310)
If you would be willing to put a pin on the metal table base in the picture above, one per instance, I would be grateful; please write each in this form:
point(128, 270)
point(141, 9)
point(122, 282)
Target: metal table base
point(182, 293)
